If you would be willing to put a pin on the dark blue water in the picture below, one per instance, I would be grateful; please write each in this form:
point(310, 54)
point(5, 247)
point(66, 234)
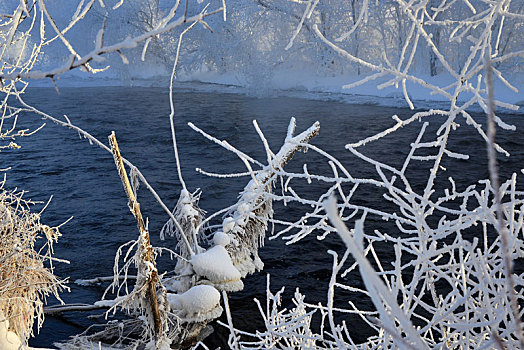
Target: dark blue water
point(84, 182)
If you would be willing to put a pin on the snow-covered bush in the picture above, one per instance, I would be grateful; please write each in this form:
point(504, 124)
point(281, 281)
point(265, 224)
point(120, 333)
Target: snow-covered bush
point(26, 269)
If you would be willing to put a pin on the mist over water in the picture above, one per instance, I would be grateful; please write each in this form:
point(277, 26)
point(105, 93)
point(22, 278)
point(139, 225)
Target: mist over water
point(84, 182)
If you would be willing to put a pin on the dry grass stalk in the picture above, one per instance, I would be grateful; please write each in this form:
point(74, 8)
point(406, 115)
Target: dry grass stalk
point(147, 254)
point(26, 271)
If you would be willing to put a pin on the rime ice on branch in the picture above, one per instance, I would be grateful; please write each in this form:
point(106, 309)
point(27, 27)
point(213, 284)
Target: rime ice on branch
point(246, 223)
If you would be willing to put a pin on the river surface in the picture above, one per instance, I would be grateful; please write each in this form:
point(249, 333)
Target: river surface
point(85, 184)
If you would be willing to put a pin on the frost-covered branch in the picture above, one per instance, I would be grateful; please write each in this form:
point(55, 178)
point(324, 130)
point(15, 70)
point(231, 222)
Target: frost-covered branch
point(96, 54)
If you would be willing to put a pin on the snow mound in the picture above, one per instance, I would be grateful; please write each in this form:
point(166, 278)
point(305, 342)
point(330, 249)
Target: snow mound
point(215, 264)
point(198, 304)
point(221, 238)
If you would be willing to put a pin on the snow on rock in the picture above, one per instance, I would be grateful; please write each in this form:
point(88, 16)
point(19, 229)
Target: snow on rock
point(110, 303)
point(215, 264)
point(199, 303)
point(8, 339)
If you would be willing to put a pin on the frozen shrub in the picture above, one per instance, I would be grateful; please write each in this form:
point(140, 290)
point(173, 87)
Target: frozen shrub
point(26, 264)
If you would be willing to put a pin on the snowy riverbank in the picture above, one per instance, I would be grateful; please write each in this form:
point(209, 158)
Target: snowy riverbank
point(297, 84)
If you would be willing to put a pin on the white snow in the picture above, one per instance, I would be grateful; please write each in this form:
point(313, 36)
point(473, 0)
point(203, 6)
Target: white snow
point(108, 303)
point(221, 238)
point(199, 303)
point(215, 264)
point(229, 224)
point(187, 209)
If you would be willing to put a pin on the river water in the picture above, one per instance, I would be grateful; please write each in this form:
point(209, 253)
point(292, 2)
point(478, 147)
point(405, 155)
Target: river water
point(84, 182)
